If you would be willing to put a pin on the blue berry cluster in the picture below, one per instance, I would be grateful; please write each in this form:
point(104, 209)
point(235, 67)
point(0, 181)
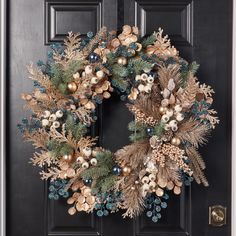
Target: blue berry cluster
point(32, 124)
point(200, 109)
point(56, 190)
point(154, 205)
point(187, 179)
point(39, 87)
point(107, 202)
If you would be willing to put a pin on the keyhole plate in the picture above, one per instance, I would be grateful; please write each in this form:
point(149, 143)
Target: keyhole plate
point(217, 215)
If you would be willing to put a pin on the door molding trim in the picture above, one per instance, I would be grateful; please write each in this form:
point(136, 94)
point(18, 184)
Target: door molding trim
point(233, 210)
point(2, 119)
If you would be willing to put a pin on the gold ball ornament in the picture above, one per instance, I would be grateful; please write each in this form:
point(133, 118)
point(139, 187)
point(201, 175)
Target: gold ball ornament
point(175, 141)
point(122, 61)
point(126, 170)
point(72, 87)
point(67, 157)
point(162, 110)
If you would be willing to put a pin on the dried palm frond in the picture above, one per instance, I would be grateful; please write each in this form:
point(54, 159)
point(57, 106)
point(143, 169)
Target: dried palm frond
point(165, 73)
point(133, 154)
point(193, 132)
point(197, 165)
point(133, 201)
point(145, 110)
point(187, 96)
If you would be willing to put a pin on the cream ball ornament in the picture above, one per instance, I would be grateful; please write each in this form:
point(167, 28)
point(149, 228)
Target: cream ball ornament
point(145, 180)
point(165, 118)
point(173, 123)
point(52, 117)
point(45, 122)
point(85, 165)
point(94, 80)
point(88, 69)
point(93, 161)
point(46, 114)
point(150, 79)
point(87, 151)
point(174, 128)
point(56, 124)
point(100, 74)
point(178, 108)
point(169, 112)
point(80, 160)
point(59, 113)
point(179, 116)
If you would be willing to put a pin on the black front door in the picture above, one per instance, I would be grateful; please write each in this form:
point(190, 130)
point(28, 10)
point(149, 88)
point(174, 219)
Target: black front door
point(200, 29)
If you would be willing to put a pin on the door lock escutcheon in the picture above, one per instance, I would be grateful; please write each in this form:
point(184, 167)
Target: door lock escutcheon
point(217, 215)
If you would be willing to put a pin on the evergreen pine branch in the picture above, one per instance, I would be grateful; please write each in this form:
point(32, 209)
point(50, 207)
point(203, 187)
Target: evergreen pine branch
point(149, 40)
point(138, 65)
point(77, 129)
point(139, 131)
point(158, 129)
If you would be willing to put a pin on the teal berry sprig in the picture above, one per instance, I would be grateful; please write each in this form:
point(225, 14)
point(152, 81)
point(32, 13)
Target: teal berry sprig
point(154, 205)
point(57, 190)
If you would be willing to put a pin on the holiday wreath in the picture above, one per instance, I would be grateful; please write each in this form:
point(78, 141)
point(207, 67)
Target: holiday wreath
point(172, 117)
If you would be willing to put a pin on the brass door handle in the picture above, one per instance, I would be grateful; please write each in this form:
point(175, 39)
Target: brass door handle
point(217, 215)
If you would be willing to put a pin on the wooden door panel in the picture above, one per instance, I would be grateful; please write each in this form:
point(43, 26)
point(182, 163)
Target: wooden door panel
point(77, 16)
point(193, 27)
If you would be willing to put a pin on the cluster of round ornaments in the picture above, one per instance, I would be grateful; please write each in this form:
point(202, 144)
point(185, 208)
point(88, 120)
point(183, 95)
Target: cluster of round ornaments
point(172, 117)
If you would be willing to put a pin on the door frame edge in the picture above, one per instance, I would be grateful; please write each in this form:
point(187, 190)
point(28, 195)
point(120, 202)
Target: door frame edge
point(233, 212)
point(3, 34)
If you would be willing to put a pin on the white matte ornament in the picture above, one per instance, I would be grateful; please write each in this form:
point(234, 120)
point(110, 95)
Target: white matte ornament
point(144, 77)
point(52, 117)
point(165, 118)
point(88, 70)
point(56, 124)
point(85, 165)
point(100, 74)
point(141, 87)
point(80, 159)
point(87, 152)
point(45, 122)
point(145, 180)
point(150, 79)
point(94, 80)
point(169, 112)
point(46, 114)
point(173, 123)
point(178, 108)
point(93, 161)
point(179, 117)
point(152, 177)
point(59, 114)
point(138, 77)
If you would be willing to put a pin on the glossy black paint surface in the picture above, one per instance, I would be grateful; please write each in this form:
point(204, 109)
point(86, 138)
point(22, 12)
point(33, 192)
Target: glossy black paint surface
point(200, 29)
